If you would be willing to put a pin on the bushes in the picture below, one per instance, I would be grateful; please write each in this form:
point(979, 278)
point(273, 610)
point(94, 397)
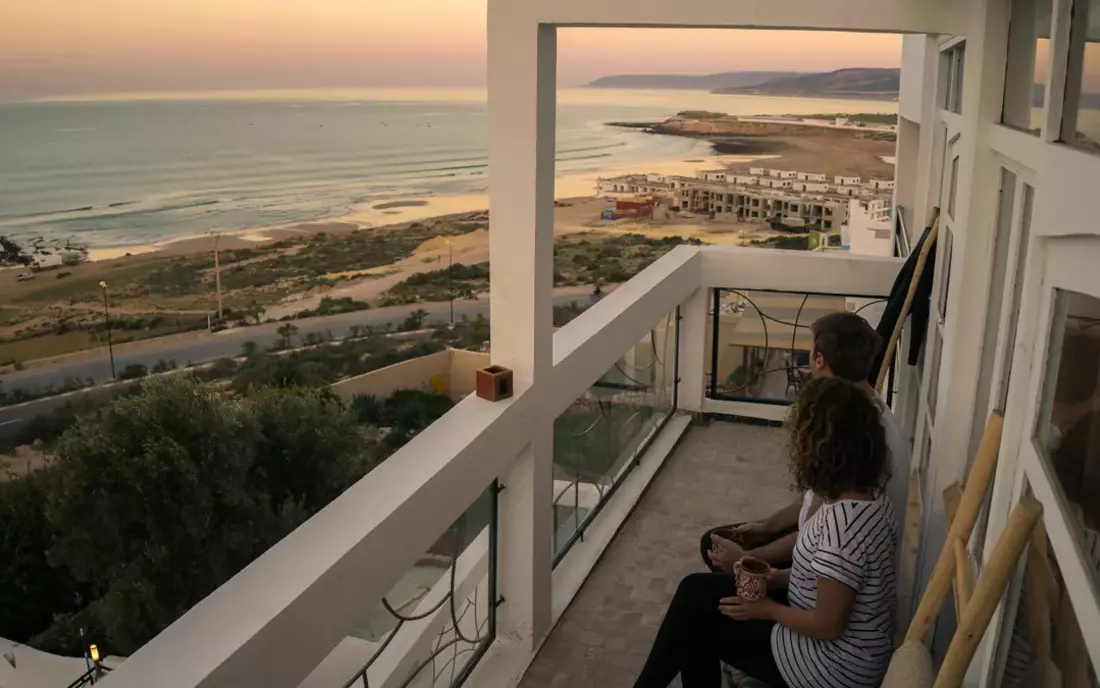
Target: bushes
point(406, 413)
point(145, 515)
point(133, 371)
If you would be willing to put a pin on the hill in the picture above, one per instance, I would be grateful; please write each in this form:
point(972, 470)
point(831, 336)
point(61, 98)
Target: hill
point(853, 81)
point(707, 82)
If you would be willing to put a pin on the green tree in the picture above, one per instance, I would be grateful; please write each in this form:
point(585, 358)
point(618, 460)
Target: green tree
point(153, 513)
point(31, 591)
point(254, 311)
point(287, 332)
point(249, 349)
point(415, 321)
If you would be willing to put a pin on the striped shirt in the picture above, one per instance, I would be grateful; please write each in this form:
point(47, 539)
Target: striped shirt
point(852, 542)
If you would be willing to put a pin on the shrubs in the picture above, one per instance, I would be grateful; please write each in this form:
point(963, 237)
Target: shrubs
point(405, 413)
point(144, 515)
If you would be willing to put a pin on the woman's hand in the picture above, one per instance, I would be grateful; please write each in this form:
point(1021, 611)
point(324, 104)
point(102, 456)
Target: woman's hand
point(745, 610)
point(724, 553)
point(754, 532)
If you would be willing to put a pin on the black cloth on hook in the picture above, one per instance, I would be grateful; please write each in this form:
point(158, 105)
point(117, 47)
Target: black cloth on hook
point(918, 311)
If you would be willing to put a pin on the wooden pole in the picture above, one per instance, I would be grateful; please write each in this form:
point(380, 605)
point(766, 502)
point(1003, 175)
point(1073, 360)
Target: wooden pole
point(964, 578)
point(1038, 602)
point(988, 591)
point(918, 270)
point(977, 483)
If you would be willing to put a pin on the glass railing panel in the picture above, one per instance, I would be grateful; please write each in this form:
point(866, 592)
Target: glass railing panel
point(603, 434)
point(434, 625)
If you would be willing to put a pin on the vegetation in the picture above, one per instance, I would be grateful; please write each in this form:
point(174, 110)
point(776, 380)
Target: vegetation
point(459, 280)
point(404, 414)
point(591, 258)
point(145, 545)
point(332, 306)
point(798, 242)
point(859, 117)
point(586, 258)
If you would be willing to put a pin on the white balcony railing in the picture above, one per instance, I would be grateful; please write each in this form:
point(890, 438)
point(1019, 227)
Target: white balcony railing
point(297, 613)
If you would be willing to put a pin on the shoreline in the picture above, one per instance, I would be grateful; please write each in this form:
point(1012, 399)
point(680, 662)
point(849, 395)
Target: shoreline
point(382, 213)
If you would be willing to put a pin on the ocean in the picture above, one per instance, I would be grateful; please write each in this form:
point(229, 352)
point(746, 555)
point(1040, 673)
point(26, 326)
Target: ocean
point(127, 171)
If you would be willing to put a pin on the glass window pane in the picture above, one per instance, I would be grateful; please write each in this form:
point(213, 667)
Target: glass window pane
point(1017, 289)
point(1045, 632)
point(1069, 432)
point(946, 246)
point(1081, 127)
point(1028, 62)
point(954, 186)
point(934, 373)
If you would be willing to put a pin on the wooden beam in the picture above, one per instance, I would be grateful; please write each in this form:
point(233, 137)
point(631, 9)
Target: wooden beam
point(988, 591)
point(952, 495)
point(1038, 601)
point(964, 578)
point(981, 476)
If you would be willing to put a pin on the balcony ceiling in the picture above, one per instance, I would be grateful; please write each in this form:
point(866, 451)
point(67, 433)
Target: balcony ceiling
point(889, 16)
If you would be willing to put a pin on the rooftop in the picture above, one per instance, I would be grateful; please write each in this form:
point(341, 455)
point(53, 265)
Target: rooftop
point(723, 472)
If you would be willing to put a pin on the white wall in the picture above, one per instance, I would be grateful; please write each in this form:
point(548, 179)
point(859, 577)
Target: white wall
point(911, 92)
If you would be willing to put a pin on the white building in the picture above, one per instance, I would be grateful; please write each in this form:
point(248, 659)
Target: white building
point(1016, 279)
point(869, 229)
point(841, 180)
point(880, 184)
point(810, 177)
point(758, 171)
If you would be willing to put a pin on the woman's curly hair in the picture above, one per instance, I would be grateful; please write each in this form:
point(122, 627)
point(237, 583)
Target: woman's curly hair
point(837, 443)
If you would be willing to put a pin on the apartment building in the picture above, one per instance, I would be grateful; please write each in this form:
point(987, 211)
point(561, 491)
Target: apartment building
point(530, 600)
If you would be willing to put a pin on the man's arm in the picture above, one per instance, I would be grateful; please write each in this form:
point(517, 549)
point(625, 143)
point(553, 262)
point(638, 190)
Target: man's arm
point(784, 519)
point(777, 551)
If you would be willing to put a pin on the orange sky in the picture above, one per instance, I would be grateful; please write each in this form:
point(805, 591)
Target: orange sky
point(80, 46)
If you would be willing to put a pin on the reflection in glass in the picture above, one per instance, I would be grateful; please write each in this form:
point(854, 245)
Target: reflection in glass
point(438, 620)
point(1081, 124)
point(761, 351)
point(1070, 432)
point(599, 438)
point(1046, 645)
point(1027, 65)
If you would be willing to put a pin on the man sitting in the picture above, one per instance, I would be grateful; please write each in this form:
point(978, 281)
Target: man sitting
point(845, 346)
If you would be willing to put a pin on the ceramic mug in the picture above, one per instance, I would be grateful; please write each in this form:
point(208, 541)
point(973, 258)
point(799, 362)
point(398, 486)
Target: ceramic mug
point(752, 578)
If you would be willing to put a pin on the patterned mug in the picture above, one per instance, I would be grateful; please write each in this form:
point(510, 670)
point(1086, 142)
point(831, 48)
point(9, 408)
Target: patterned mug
point(752, 578)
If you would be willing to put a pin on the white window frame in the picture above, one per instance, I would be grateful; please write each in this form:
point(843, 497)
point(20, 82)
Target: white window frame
point(1068, 264)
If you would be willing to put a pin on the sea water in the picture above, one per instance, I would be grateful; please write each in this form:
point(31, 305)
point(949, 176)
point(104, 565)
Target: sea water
point(122, 171)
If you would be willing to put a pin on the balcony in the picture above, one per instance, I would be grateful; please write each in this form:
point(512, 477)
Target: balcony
point(454, 560)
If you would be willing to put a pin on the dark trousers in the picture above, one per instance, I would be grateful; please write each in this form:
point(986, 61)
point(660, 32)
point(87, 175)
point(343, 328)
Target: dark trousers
point(705, 544)
point(695, 638)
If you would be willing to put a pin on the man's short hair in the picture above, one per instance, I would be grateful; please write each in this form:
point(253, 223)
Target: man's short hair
point(848, 344)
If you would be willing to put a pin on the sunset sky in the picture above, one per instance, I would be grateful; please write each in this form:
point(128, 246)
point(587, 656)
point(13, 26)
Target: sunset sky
point(50, 47)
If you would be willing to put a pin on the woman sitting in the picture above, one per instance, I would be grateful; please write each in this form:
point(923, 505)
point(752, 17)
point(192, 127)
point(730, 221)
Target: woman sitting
point(836, 629)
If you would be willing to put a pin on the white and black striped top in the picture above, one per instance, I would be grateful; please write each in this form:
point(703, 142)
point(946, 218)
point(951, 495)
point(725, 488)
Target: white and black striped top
point(852, 542)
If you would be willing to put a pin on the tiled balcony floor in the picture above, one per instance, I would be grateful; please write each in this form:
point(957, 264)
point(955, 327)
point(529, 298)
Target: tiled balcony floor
point(720, 473)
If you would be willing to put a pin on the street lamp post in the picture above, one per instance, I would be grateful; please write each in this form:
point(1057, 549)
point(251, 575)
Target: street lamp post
point(218, 277)
point(450, 279)
point(107, 322)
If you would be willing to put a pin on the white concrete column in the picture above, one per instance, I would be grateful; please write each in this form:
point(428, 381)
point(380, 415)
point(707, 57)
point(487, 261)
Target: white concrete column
point(693, 360)
point(522, 95)
point(971, 270)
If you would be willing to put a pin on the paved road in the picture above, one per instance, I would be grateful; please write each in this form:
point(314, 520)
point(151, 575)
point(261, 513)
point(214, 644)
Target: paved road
point(221, 345)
